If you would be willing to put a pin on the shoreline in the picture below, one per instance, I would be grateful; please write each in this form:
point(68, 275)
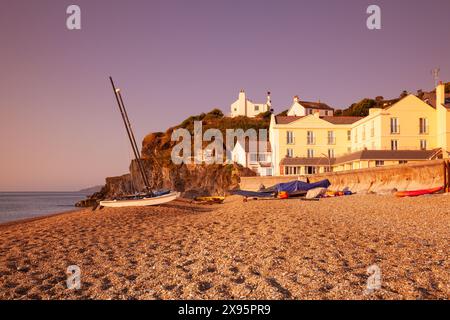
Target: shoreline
point(272, 249)
point(45, 216)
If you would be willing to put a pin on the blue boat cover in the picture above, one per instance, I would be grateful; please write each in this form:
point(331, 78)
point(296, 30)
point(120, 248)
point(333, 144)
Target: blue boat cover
point(252, 194)
point(295, 186)
point(289, 187)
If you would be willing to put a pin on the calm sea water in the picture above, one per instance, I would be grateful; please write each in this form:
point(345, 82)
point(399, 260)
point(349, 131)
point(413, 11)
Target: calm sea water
point(23, 205)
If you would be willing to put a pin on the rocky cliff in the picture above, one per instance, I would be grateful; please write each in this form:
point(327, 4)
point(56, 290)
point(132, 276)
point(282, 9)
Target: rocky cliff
point(190, 180)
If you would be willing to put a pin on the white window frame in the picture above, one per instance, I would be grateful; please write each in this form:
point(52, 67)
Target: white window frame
point(395, 126)
point(394, 144)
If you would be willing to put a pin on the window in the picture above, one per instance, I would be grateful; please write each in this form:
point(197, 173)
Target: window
point(310, 153)
point(349, 149)
point(395, 128)
point(262, 157)
point(289, 153)
point(253, 157)
point(402, 162)
point(310, 170)
point(290, 137)
point(331, 139)
point(291, 170)
point(349, 135)
point(423, 144)
point(423, 125)
point(331, 153)
point(330, 113)
point(394, 144)
point(256, 108)
point(379, 163)
point(310, 139)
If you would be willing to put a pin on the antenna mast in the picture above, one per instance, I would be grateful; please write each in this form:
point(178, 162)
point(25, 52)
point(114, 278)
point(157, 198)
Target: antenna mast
point(435, 73)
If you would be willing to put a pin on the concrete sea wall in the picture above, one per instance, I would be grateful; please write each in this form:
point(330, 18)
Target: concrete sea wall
point(402, 177)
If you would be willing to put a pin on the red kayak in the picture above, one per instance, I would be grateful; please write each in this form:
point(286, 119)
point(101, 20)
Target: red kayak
point(416, 193)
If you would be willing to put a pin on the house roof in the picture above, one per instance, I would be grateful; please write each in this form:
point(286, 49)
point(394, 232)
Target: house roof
point(315, 105)
point(330, 119)
point(286, 119)
point(363, 155)
point(430, 98)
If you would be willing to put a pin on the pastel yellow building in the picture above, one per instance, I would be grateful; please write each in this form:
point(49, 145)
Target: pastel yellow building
point(408, 131)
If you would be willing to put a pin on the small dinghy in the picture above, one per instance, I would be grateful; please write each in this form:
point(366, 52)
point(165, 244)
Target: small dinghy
point(140, 202)
point(415, 193)
point(148, 197)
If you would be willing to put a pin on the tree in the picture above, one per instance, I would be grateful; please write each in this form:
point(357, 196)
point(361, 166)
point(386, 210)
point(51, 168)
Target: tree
point(403, 94)
point(420, 93)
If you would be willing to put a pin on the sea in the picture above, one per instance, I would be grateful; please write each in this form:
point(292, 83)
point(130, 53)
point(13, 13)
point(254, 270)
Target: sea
point(23, 205)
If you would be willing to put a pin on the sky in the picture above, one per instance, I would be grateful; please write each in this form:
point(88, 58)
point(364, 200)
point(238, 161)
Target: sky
point(59, 125)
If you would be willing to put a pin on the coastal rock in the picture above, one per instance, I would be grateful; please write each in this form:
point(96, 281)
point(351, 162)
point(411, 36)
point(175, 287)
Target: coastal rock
point(191, 180)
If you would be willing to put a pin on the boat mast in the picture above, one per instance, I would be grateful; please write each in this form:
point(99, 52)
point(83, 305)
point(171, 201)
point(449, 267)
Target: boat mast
point(130, 134)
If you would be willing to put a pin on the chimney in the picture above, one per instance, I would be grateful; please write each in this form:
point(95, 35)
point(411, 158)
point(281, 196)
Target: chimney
point(296, 99)
point(316, 113)
point(242, 95)
point(440, 94)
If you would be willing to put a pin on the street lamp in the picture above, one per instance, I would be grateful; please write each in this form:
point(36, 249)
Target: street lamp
point(329, 161)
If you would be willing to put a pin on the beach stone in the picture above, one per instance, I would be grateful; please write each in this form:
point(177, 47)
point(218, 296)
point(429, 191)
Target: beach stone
point(316, 192)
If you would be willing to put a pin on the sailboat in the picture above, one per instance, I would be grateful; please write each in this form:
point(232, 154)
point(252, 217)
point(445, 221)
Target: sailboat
point(149, 197)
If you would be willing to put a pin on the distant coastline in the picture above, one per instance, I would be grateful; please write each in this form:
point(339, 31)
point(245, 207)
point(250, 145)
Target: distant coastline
point(18, 206)
point(91, 190)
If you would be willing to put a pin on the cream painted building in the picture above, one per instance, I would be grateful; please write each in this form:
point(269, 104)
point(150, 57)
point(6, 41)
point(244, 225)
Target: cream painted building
point(245, 107)
point(303, 108)
point(254, 157)
point(407, 131)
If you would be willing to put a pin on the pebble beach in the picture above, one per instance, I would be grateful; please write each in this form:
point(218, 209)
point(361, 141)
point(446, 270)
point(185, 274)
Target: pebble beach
point(264, 249)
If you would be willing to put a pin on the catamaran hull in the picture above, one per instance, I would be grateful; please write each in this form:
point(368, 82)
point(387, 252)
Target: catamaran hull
point(144, 202)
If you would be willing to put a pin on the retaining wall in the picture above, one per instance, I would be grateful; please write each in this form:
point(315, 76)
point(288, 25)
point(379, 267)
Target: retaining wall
point(402, 177)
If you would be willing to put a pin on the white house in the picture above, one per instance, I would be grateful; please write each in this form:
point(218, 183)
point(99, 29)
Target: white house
point(254, 157)
point(304, 108)
point(245, 107)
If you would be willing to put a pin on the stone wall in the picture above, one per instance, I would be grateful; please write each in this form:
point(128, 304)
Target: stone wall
point(402, 177)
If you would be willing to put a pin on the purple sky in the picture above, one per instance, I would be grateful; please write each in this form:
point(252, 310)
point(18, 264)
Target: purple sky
point(59, 126)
